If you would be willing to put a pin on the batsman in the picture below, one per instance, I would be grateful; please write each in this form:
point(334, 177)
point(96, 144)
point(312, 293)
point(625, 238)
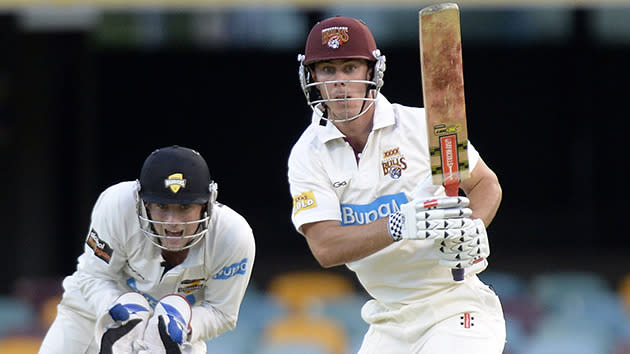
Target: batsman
point(363, 196)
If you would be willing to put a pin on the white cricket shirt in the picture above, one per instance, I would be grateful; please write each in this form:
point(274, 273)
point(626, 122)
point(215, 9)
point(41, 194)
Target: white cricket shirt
point(326, 183)
point(118, 258)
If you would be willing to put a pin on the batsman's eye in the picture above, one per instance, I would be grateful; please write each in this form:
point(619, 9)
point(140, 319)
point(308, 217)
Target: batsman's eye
point(349, 69)
point(329, 71)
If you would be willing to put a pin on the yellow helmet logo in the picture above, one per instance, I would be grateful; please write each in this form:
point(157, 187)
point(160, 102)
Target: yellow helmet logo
point(174, 182)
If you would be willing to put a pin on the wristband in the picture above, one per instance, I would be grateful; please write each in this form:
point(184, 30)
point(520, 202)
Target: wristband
point(395, 222)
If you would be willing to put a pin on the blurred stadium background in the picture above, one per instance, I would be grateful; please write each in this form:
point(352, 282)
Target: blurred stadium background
point(89, 88)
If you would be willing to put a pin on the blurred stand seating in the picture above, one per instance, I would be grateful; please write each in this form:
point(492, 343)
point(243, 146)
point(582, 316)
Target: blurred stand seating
point(319, 312)
point(27, 312)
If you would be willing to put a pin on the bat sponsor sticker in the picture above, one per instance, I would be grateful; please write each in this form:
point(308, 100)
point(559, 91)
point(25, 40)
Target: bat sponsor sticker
point(304, 201)
point(450, 158)
point(101, 249)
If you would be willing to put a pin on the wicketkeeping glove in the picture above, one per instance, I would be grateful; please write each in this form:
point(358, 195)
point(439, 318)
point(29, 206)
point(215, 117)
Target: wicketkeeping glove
point(123, 323)
point(169, 328)
point(464, 248)
point(430, 218)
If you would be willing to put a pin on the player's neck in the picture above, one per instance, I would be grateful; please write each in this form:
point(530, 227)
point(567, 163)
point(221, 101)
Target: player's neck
point(357, 130)
point(175, 257)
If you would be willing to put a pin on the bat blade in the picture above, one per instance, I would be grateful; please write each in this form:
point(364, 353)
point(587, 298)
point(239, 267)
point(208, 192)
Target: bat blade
point(443, 94)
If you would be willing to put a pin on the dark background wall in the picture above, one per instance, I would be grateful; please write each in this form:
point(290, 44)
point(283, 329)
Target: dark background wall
point(76, 118)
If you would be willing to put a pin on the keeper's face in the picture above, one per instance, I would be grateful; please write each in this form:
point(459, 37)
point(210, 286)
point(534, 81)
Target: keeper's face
point(344, 85)
point(175, 221)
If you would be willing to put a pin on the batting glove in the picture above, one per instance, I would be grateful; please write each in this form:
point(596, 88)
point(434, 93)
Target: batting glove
point(465, 247)
point(169, 329)
point(430, 218)
point(123, 323)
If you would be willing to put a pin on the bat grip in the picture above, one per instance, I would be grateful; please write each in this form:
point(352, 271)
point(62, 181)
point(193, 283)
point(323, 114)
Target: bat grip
point(458, 274)
point(452, 190)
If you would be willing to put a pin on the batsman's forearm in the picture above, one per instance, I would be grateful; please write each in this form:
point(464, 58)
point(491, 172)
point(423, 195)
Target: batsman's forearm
point(485, 199)
point(334, 245)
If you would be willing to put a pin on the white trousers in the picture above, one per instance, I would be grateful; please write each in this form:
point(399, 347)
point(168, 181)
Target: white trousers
point(70, 333)
point(466, 318)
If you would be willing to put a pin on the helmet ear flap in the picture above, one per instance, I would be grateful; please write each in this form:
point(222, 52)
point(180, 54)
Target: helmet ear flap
point(213, 187)
point(214, 191)
point(312, 94)
point(379, 69)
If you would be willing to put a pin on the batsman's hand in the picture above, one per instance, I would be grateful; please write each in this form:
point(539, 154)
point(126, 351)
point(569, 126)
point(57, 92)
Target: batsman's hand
point(464, 247)
point(124, 322)
point(430, 218)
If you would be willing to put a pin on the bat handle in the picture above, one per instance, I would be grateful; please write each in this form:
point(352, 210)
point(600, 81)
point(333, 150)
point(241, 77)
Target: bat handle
point(452, 190)
point(458, 274)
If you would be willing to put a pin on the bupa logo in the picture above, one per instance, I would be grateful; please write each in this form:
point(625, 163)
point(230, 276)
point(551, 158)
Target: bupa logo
point(232, 270)
point(359, 214)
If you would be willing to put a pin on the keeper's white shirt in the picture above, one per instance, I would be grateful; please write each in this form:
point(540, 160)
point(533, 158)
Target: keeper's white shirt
point(118, 258)
point(326, 183)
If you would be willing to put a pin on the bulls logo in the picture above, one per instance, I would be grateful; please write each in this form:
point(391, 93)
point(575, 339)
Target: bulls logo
point(393, 163)
point(174, 182)
point(334, 37)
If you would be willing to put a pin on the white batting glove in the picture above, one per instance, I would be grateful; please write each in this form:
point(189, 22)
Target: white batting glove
point(169, 328)
point(124, 322)
point(430, 218)
point(465, 247)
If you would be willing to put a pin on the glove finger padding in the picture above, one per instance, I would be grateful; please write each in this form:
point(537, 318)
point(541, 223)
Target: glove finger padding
point(471, 246)
point(123, 323)
point(417, 216)
point(168, 329)
point(441, 203)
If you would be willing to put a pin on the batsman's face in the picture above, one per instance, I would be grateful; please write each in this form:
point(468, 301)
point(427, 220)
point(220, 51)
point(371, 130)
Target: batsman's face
point(177, 220)
point(338, 85)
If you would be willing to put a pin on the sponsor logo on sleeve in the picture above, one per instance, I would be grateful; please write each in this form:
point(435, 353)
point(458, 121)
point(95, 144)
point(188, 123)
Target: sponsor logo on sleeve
point(232, 270)
point(304, 201)
point(101, 249)
point(360, 214)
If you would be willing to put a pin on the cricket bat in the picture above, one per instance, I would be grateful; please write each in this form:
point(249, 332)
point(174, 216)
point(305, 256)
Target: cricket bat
point(443, 96)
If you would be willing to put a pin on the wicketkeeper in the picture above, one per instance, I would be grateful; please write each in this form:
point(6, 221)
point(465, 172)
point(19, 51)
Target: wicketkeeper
point(165, 266)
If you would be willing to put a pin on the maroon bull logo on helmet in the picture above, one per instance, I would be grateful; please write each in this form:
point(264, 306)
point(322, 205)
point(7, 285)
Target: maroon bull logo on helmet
point(334, 37)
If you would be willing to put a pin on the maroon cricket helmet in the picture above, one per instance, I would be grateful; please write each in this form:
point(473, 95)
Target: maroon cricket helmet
point(339, 38)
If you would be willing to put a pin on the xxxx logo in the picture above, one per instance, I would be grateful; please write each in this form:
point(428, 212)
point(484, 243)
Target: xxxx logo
point(174, 182)
point(393, 163)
